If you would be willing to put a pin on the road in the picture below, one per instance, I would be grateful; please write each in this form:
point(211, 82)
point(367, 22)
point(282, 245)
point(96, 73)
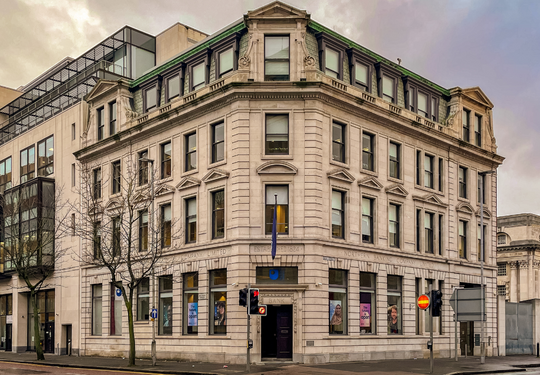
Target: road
point(24, 369)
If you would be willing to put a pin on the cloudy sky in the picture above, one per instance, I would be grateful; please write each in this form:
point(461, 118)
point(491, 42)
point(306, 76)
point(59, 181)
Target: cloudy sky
point(488, 43)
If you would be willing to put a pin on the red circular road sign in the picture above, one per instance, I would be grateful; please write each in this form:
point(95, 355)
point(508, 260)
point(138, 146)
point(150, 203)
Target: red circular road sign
point(423, 302)
point(262, 310)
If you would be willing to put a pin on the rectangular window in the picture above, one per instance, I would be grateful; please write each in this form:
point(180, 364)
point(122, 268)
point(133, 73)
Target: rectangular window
point(423, 104)
point(112, 118)
point(116, 236)
point(418, 232)
point(501, 269)
point(393, 225)
point(338, 142)
point(332, 63)
point(226, 63)
point(481, 250)
point(338, 214)
point(73, 173)
point(191, 220)
point(143, 230)
point(394, 305)
point(100, 123)
point(394, 155)
point(389, 93)
point(28, 163)
point(115, 326)
point(282, 214)
point(190, 311)
point(143, 299)
point(478, 130)
point(466, 125)
point(462, 229)
point(276, 275)
point(337, 297)
point(277, 135)
point(501, 290)
point(276, 58)
point(434, 109)
point(166, 225)
point(5, 175)
point(501, 240)
point(218, 214)
point(97, 240)
point(116, 174)
point(165, 305)
point(191, 151)
point(418, 166)
point(166, 154)
point(97, 183)
point(367, 220)
point(97, 309)
point(173, 87)
point(361, 75)
point(428, 228)
point(440, 174)
point(73, 132)
point(417, 292)
point(481, 188)
point(428, 171)
point(46, 157)
point(462, 175)
point(218, 302)
point(440, 237)
point(218, 142)
point(73, 223)
point(368, 302)
point(199, 76)
point(143, 167)
point(150, 98)
point(368, 156)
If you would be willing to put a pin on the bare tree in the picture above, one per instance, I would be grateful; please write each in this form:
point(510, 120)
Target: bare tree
point(34, 222)
point(125, 233)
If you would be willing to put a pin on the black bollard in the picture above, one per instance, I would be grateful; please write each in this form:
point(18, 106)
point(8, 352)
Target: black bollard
point(537, 350)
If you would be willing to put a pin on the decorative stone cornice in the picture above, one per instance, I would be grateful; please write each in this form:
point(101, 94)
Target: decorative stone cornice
point(370, 183)
point(396, 189)
point(340, 174)
point(277, 167)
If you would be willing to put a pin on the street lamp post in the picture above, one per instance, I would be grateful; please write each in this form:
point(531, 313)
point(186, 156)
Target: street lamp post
point(152, 243)
point(482, 313)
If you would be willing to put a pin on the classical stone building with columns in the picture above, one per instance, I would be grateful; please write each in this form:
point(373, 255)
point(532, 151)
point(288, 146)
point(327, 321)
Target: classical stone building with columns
point(372, 170)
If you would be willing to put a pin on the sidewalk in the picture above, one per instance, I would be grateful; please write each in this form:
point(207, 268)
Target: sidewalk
point(442, 366)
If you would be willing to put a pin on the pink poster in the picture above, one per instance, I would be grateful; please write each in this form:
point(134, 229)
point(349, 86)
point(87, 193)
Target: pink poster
point(365, 315)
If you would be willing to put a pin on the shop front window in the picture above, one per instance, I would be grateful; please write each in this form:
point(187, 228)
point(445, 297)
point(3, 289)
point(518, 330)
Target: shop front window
point(337, 297)
point(277, 275)
point(190, 311)
point(367, 302)
point(394, 305)
point(218, 302)
point(165, 305)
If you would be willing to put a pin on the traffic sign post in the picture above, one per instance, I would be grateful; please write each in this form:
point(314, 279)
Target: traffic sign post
point(153, 314)
point(423, 302)
point(262, 310)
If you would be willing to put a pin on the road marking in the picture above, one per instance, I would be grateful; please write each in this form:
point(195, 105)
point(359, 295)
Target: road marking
point(79, 368)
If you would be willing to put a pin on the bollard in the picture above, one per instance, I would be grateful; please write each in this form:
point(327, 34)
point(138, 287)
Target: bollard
point(537, 350)
point(466, 350)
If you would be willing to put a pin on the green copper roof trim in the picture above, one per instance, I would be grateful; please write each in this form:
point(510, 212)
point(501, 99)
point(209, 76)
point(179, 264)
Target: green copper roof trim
point(318, 27)
point(190, 53)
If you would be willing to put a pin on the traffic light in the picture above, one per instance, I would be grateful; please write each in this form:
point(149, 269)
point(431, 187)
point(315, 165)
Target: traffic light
point(436, 302)
point(254, 301)
point(243, 297)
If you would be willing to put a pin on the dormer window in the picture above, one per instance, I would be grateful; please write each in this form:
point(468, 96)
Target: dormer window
point(421, 99)
point(226, 55)
point(197, 69)
point(361, 68)
point(387, 82)
point(198, 79)
point(332, 63)
point(150, 98)
point(331, 53)
point(501, 239)
point(276, 58)
point(226, 61)
point(389, 89)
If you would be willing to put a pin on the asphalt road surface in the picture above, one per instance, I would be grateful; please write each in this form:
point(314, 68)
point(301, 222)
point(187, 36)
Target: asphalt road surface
point(24, 369)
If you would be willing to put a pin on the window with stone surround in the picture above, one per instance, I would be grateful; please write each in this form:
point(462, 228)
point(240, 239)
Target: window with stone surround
point(97, 309)
point(218, 141)
point(218, 214)
point(501, 239)
point(368, 302)
point(501, 269)
point(143, 299)
point(190, 304)
point(462, 245)
point(337, 296)
point(481, 250)
point(361, 69)
point(368, 152)
point(276, 58)
point(466, 118)
point(281, 192)
point(421, 98)
point(338, 142)
point(394, 160)
point(501, 290)
point(462, 175)
point(218, 302)
point(367, 219)
point(100, 123)
point(393, 295)
point(338, 214)
point(478, 130)
point(276, 134)
point(165, 316)
point(393, 225)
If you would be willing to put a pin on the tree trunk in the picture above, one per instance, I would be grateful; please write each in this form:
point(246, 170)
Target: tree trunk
point(129, 308)
point(37, 338)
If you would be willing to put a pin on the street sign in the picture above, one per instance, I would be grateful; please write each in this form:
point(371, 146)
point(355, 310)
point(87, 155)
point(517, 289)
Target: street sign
point(466, 303)
point(262, 310)
point(423, 302)
point(153, 314)
point(118, 294)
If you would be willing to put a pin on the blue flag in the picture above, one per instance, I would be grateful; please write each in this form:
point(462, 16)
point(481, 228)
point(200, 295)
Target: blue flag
point(274, 229)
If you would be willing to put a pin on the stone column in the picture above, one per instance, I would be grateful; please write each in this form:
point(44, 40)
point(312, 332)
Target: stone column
point(513, 282)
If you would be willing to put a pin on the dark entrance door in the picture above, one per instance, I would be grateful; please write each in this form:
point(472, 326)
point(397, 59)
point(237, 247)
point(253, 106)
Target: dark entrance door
point(9, 334)
point(68, 339)
point(466, 335)
point(276, 334)
point(49, 337)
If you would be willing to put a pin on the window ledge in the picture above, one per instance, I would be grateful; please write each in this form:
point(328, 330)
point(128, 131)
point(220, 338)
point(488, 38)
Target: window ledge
point(339, 164)
point(397, 180)
point(277, 157)
point(371, 173)
point(430, 190)
point(463, 199)
point(164, 180)
point(141, 322)
point(189, 173)
point(217, 164)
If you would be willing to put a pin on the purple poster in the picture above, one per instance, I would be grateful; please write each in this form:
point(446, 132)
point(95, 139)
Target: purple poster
point(365, 315)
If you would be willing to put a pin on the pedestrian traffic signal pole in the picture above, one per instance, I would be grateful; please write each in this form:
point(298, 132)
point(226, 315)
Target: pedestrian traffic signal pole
point(248, 357)
point(431, 331)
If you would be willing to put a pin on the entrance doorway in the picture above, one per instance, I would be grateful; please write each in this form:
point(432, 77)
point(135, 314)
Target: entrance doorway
point(9, 334)
point(466, 337)
point(68, 339)
point(276, 333)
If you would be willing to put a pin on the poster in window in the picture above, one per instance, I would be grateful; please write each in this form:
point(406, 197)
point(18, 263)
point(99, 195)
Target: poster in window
point(393, 323)
point(192, 314)
point(220, 313)
point(336, 314)
point(365, 315)
point(167, 314)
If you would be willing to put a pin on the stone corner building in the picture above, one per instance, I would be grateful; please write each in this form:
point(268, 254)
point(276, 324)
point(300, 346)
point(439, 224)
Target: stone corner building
point(374, 168)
